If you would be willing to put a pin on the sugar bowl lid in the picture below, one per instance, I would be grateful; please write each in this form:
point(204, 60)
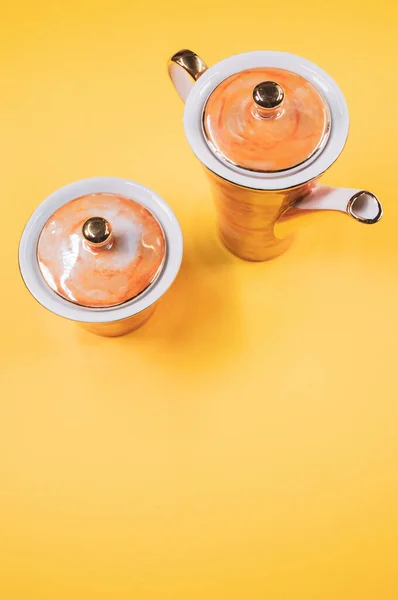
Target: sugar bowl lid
point(266, 119)
point(101, 250)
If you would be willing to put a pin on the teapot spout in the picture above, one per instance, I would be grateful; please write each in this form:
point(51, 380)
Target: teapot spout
point(360, 205)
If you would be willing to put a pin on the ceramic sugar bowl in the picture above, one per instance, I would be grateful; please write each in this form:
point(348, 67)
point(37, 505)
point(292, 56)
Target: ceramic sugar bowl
point(101, 252)
point(266, 125)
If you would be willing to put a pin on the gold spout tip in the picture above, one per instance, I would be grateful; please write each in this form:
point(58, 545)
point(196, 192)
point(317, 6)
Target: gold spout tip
point(365, 208)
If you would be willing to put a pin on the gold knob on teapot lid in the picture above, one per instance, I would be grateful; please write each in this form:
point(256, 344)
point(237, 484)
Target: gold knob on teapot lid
point(268, 96)
point(97, 232)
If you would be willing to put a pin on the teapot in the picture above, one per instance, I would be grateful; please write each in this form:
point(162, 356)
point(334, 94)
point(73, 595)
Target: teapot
point(266, 125)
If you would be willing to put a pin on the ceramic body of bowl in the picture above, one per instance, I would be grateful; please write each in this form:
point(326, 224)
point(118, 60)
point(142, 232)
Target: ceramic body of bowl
point(109, 321)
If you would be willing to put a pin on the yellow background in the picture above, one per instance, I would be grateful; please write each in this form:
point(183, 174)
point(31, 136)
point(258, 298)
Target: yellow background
point(244, 444)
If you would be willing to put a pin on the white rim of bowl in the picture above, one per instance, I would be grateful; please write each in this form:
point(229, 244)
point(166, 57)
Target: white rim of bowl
point(129, 189)
point(213, 76)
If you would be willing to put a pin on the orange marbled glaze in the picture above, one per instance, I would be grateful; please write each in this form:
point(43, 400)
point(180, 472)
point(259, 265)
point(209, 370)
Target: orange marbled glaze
point(105, 276)
point(238, 134)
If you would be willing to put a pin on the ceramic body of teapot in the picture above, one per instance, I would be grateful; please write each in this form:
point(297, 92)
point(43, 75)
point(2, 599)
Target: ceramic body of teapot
point(266, 125)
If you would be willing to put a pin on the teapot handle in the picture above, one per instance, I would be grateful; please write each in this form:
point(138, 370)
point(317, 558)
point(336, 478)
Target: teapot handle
point(185, 67)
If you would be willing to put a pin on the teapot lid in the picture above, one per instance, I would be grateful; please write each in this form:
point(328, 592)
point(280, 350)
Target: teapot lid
point(101, 250)
point(266, 120)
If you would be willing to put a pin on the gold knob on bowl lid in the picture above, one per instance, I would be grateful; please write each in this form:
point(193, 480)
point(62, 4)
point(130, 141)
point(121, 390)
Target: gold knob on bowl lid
point(97, 231)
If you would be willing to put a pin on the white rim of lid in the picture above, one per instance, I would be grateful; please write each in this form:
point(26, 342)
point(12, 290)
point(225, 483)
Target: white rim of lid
point(35, 282)
point(312, 168)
